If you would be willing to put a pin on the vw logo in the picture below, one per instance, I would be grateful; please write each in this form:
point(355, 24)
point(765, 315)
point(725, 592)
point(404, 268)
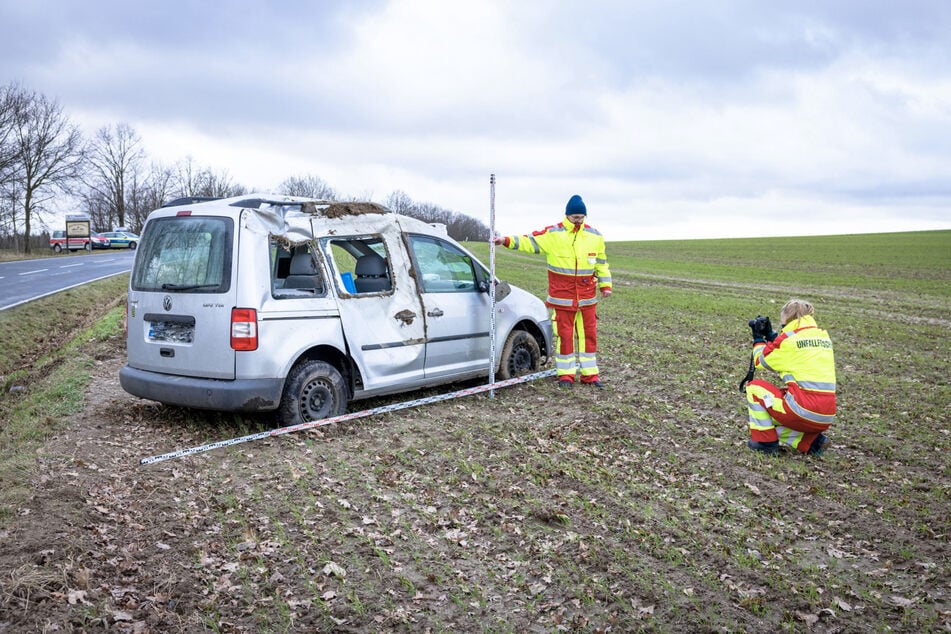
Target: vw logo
point(167, 303)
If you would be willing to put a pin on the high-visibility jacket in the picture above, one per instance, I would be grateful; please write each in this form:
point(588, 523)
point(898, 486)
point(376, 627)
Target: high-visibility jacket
point(577, 263)
point(802, 356)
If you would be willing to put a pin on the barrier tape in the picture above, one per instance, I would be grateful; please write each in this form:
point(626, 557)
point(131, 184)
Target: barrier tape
point(280, 431)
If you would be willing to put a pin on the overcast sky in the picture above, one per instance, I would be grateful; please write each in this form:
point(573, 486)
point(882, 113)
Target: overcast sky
point(672, 119)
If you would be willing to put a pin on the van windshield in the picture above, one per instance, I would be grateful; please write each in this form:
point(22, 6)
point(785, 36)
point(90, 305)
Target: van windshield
point(185, 254)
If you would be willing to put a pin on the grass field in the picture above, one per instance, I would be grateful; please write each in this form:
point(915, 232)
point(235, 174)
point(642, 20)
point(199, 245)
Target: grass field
point(636, 508)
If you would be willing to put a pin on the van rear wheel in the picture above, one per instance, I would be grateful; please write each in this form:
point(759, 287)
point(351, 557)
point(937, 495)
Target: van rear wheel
point(314, 390)
point(520, 355)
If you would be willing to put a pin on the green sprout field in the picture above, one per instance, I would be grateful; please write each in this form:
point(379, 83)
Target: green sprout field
point(636, 508)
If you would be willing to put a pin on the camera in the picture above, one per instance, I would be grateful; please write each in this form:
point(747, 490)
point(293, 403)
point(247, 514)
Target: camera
point(762, 327)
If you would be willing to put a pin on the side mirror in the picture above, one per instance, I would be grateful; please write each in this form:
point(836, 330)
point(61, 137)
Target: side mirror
point(502, 289)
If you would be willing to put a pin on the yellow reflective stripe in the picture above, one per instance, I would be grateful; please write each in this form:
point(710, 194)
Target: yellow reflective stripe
point(559, 302)
point(759, 417)
point(788, 436)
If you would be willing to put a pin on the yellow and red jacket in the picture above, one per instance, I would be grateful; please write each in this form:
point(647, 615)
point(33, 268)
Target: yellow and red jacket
point(577, 263)
point(802, 356)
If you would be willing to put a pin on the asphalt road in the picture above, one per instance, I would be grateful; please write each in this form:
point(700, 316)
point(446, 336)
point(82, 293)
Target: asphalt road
point(22, 281)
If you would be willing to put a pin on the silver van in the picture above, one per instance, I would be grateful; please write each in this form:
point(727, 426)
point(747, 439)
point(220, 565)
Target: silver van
point(266, 302)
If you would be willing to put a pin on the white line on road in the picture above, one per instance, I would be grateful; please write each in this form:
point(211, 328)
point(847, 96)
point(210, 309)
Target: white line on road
point(66, 266)
point(24, 301)
point(32, 272)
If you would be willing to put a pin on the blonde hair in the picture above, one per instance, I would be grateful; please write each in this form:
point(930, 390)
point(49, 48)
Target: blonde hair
point(795, 309)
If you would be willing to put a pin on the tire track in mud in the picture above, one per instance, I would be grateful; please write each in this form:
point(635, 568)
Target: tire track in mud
point(877, 304)
point(908, 308)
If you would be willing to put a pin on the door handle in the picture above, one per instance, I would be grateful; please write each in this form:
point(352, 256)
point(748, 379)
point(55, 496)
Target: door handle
point(435, 313)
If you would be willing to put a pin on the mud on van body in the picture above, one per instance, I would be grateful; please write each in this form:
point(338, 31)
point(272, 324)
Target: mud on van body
point(265, 302)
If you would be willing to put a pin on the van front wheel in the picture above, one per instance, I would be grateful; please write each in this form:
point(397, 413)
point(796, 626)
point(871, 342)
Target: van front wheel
point(314, 390)
point(520, 355)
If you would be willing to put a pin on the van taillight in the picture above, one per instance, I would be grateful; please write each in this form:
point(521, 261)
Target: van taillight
point(244, 329)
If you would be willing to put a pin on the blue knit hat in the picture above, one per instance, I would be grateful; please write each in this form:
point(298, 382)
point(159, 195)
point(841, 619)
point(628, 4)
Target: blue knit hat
point(576, 206)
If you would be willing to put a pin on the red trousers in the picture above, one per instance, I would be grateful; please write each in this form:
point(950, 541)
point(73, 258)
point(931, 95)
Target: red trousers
point(772, 420)
point(580, 324)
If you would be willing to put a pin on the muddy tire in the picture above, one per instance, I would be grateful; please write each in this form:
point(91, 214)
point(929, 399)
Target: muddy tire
point(520, 355)
point(314, 390)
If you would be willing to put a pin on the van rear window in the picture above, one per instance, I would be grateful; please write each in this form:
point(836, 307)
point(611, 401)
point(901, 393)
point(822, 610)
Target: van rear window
point(185, 254)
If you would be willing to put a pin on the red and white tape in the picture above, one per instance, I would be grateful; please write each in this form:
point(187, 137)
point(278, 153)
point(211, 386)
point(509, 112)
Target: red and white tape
point(280, 431)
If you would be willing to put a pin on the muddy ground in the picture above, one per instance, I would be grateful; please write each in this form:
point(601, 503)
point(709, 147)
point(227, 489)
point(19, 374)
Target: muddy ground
point(529, 513)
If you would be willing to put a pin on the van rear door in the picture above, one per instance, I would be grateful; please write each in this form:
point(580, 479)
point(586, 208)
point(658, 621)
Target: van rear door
point(181, 295)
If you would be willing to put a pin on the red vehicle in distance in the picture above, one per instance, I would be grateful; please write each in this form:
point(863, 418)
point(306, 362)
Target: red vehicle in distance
point(59, 242)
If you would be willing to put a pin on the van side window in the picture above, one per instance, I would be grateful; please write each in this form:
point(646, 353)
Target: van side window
point(362, 264)
point(442, 267)
point(294, 271)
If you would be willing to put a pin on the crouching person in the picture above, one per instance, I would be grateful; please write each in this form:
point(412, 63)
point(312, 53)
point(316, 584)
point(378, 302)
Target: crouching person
point(796, 415)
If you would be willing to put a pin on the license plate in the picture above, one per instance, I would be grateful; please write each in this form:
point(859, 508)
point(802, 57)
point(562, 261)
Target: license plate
point(171, 331)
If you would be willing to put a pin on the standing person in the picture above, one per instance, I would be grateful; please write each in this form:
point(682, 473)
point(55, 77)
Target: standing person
point(577, 268)
point(795, 415)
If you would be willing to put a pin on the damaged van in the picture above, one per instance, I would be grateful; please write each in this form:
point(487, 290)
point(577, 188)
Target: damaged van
point(266, 302)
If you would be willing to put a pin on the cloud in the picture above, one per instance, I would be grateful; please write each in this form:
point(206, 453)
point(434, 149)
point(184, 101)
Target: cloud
point(685, 118)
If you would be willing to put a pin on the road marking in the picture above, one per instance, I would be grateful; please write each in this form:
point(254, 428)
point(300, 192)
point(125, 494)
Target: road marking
point(59, 290)
point(67, 266)
point(32, 272)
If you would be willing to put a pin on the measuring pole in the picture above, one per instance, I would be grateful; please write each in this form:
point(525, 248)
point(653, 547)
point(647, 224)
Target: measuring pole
point(491, 283)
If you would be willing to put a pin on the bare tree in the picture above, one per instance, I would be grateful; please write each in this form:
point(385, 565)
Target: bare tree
point(309, 186)
point(11, 104)
point(458, 226)
point(220, 185)
point(49, 154)
point(98, 208)
point(115, 156)
point(187, 177)
point(149, 192)
point(400, 202)
point(192, 180)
